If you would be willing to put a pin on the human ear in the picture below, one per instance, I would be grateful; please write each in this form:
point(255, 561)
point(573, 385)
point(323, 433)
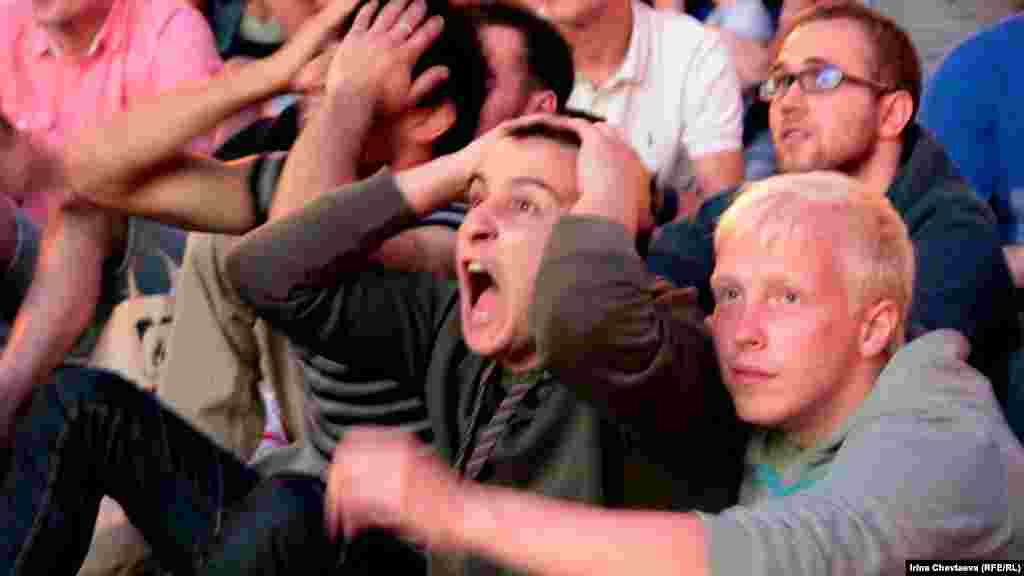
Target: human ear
point(878, 329)
point(541, 101)
point(428, 123)
point(896, 110)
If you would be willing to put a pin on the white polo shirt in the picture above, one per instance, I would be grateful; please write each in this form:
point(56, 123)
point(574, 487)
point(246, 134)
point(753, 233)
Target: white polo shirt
point(676, 92)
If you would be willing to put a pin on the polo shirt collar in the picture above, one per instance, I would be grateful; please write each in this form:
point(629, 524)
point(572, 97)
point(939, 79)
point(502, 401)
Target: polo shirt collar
point(107, 37)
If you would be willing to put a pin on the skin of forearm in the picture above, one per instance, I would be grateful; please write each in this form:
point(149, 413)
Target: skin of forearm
point(105, 164)
point(60, 301)
point(553, 537)
point(326, 153)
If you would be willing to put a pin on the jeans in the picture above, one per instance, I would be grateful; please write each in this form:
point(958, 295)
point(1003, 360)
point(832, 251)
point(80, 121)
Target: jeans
point(90, 433)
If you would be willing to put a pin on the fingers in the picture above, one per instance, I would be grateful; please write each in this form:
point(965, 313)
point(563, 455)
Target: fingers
point(389, 16)
point(365, 480)
point(409, 20)
point(423, 37)
point(426, 83)
point(364, 17)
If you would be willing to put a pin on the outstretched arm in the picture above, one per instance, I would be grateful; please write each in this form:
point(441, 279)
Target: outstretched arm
point(383, 479)
point(135, 164)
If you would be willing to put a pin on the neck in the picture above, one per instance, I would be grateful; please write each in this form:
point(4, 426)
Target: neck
point(74, 37)
point(879, 172)
point(600, 41)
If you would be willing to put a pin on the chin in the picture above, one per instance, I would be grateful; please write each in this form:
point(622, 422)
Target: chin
point(759, 411)
point(488, 343)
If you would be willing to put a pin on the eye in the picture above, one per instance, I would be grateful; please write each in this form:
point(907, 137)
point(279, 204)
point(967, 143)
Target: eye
point(524, 206)
point(827, 78)
point(790, 297)
point(726, 294)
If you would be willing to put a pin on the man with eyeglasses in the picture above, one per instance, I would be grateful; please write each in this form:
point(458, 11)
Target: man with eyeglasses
point(843, 92)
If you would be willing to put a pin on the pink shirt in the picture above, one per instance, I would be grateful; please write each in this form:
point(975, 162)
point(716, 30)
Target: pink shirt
point(144, 47)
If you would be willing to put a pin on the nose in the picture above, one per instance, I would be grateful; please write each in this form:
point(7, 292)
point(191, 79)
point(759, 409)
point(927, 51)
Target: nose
point(480, 224)
point(791, 98)
point(748, 327)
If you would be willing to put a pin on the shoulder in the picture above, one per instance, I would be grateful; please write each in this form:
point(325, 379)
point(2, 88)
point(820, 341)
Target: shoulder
point(173, 20)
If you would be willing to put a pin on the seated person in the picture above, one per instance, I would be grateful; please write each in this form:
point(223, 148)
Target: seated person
point(859, 461)
point(521, 65)
point(666, 82)
point(468, 349)
point(67, 64)
point(842, 95)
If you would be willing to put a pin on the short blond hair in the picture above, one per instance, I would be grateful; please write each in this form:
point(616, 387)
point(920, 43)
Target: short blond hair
point(878, 257)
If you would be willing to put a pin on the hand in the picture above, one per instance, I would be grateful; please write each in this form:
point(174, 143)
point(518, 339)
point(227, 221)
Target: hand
point(464, 163)
point(613, 181)
point(376, 57)
point(301, 64)
point(386, 479)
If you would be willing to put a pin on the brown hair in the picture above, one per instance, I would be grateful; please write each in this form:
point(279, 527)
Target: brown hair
point(895, 62)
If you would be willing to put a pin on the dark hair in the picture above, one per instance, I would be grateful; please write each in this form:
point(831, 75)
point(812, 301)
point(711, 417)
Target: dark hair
point(541, 129)
point(458, 49)
point(895, 61)
point(548, 56)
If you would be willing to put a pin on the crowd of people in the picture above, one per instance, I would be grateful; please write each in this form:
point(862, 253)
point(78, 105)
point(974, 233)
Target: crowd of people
point(573, 287)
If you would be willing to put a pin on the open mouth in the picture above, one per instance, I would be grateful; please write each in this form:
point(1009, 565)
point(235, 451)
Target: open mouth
point(483, 292)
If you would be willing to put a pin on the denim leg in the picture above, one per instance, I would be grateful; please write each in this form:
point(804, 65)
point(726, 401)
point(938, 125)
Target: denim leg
point(89, 433)
point(279, 529)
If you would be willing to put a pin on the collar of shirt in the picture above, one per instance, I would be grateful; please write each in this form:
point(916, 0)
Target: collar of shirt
point(638, 55)
point(109, 36)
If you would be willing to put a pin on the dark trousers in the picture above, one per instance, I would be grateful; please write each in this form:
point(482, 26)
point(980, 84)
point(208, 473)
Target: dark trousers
point(90, 433)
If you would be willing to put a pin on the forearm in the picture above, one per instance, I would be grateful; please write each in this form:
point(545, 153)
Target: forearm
point(104, 165)
point(60, 301)
point(549, 537)
point(718, 172)
point(326, 153)
point(316, 246)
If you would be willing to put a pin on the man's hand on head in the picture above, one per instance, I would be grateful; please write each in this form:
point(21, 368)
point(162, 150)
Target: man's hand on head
point(444, 180)
point(375, 59)
point(613, 181)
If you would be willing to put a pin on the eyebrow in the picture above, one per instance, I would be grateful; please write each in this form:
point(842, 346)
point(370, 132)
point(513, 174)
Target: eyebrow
point(532, 181)
point(808, 62)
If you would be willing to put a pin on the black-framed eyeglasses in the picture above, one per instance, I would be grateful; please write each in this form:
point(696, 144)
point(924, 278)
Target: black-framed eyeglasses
point(814, 79)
